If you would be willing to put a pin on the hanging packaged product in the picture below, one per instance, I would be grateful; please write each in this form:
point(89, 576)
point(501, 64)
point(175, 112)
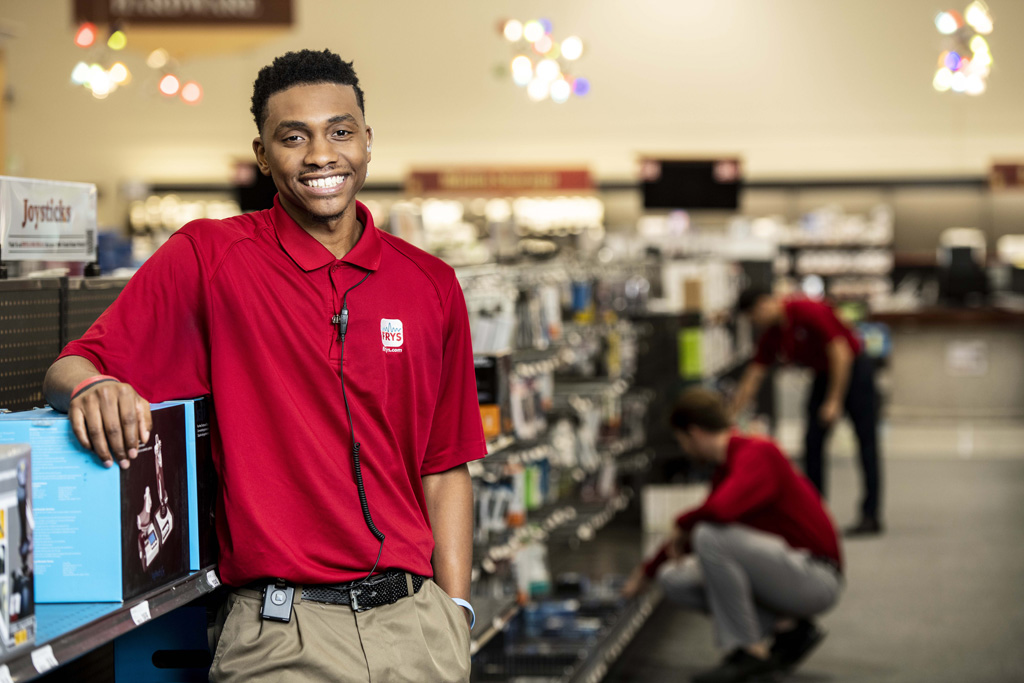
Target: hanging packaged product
point(106, 534)
point(492, 387)
point(17, 604)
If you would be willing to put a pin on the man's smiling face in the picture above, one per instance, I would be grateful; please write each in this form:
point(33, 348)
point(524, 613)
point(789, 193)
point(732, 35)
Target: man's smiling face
point(316, 146)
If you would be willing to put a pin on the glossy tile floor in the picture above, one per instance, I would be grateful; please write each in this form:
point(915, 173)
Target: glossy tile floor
point(939, 597)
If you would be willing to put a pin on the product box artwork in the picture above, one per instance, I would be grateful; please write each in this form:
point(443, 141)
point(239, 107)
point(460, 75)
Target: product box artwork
point(17, 607)
point(105, 535)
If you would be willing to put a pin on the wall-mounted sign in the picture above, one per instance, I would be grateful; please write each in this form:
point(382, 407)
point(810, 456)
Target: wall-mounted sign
point(45, 220)
point(1006, 175)
point(141, 12)
point(691, 183)
point(474, 181)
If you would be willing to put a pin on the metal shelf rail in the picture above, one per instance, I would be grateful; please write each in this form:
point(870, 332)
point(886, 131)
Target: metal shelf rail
point(65, 632)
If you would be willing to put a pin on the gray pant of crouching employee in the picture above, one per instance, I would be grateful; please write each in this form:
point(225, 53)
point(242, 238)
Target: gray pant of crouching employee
point(747, 580)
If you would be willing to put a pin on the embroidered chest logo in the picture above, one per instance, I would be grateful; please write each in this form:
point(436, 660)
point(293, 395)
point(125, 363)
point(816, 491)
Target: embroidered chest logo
point(392, 335)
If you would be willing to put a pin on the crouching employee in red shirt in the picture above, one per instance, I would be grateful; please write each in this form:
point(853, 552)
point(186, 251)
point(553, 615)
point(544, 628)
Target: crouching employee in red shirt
point(340, 364)
point(808, 333)
point(760, 555)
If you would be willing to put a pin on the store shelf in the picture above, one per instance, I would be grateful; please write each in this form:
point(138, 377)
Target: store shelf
point(610, 647)
point(492, 616)
point(65, 632)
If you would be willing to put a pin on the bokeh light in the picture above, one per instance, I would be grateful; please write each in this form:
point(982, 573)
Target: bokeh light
point(978, 17)
point(546, 23)
point(548, 70)
point(513, 30)
point(946, 23)
point(157, 59)
point(191, 92)
point(119, 73)
point(80, 74)
point(522, 70)
point(117, 40)
point(533, 31)
point(86, 35)
point(975, 85)
point(572, 48)
point(953, 61)
point(560, 91)
point(538, 90)
point(959, 82)
point(943, 80)
point(100, 84)
point(169, 85)
point(581, 87)
point(543, 45)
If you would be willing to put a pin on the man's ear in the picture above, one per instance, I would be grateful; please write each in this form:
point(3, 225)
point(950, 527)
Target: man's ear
point(261, 155)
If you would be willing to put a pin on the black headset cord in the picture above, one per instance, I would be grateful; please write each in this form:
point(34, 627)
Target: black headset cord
point(342, 330)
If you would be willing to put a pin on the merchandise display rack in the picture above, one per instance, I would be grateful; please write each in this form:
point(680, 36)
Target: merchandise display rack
point(67, 631)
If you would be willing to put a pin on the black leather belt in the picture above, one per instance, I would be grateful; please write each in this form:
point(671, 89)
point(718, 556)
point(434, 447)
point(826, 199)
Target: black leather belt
point(382, 589)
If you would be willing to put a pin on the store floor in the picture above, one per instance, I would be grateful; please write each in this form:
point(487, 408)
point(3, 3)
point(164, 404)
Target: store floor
point(939, 597)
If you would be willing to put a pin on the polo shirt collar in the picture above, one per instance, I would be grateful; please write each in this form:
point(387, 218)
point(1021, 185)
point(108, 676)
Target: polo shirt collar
point(309, 254)
point(736, 441)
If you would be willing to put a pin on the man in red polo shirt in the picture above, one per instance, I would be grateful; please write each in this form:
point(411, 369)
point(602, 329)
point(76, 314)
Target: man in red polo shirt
point(340, 363)
point(808, 333)
point(764, 558)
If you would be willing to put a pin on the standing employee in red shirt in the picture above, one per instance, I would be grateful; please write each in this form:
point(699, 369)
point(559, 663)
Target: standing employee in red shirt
point(808, 333)
point(765, 556)
point(340, 363)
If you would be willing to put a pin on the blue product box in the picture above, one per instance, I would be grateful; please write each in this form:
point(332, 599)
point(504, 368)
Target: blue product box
point(17, 606)
point(202, 482)
point(105, 534)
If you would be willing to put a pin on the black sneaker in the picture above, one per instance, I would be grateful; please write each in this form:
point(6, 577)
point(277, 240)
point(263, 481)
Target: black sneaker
point(792, 647)
point(867, 526)
point(738, 667)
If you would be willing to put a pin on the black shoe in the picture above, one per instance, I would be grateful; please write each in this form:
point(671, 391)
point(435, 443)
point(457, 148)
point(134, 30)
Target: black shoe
point(867, 526)
point(792, 647)
point(737, 667)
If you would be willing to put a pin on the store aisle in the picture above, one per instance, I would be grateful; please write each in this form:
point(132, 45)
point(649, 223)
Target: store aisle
point(937, 598)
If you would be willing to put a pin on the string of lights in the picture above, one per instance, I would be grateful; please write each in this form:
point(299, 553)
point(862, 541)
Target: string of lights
point(965, 64)
point(102, 82)
point(541, 64)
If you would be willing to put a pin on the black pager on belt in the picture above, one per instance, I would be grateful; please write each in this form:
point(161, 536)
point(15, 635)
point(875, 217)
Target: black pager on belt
point(277, 601)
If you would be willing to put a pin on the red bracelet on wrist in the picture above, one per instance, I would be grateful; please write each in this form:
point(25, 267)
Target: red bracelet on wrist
point(90, 382)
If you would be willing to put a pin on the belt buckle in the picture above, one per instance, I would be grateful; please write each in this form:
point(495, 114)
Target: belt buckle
point(353, 597)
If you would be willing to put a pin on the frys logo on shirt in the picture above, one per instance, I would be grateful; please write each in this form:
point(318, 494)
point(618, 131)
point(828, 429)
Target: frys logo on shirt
point(392, 335)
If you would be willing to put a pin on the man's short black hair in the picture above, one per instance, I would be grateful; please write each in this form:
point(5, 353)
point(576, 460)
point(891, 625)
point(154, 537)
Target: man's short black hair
point(301, 68)
point(700, 407)
point(750, 298)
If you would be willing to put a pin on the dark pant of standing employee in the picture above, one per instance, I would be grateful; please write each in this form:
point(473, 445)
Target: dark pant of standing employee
point(862, 406)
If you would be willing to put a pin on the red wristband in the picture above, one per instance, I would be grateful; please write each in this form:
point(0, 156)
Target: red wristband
point(86, 383)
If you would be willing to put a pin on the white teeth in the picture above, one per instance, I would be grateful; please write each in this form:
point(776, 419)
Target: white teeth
point(325, 183)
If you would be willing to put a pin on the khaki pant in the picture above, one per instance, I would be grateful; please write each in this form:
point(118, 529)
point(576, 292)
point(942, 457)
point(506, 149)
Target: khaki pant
point(748, 580)
point(422, 638)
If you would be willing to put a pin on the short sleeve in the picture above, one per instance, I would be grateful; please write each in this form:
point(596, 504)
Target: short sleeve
point(154, 335)
point(768, 347)
point(456, 433)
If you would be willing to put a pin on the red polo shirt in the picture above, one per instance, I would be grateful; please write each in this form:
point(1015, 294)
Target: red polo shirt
point(804, 335)
point(241, 308)
point(758, 487)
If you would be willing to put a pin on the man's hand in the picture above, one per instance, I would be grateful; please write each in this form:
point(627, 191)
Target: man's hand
point(677, 543)
point(636, 583)
point(112, 420)
point(830, 411)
